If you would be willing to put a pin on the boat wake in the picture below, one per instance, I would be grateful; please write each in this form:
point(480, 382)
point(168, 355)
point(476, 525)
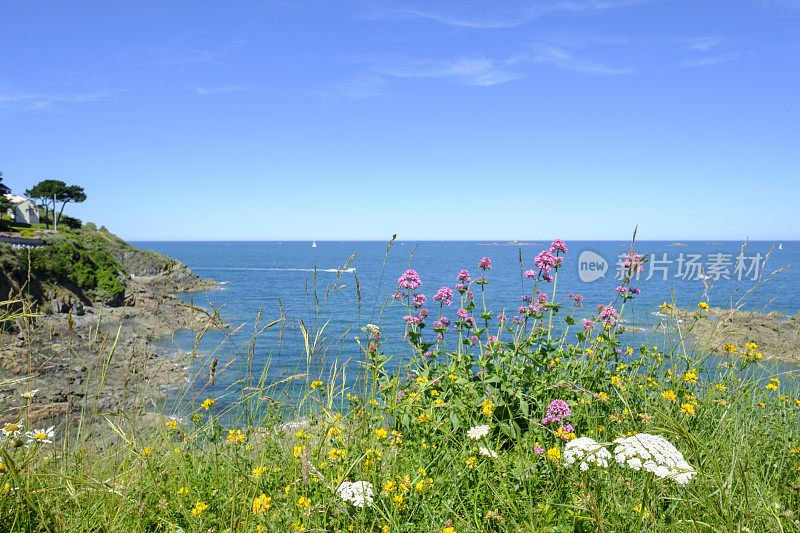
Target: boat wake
point(268, 269)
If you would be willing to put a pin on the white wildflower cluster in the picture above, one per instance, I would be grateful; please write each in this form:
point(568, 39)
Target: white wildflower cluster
point(586, 451)
point(371, 328)
point(487, 452)
point(359, 493)
point(478, 432)
point(653, 453)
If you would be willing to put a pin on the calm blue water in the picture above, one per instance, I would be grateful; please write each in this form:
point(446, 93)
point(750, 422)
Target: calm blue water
point(279, 275)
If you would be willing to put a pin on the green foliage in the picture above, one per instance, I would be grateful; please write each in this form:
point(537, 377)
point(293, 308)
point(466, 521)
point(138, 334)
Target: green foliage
point(80, 261)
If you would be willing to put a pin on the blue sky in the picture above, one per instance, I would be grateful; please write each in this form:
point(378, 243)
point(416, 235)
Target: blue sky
point(433, 120)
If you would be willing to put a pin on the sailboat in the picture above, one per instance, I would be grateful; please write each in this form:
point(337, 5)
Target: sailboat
point(780, 246)
point(314, 244)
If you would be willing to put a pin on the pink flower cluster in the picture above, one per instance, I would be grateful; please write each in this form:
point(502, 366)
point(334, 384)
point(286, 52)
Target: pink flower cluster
point(485, 264)
point(444, 295)
point(409, 280)
point(608, 315)
point(419, 300)
point(557, 411)
point(633, 262)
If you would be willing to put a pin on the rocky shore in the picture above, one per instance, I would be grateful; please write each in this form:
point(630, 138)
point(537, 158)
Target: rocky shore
point(99, 358)
point(777, 336)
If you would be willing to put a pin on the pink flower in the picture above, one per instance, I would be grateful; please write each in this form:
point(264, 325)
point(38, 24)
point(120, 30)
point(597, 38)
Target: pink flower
point(485, 263)
point(545, 260)
point(622, 290)
point(529, 274)
point(444, 295)
point(409, 280)
point(538, 450)
point(588, 324)
point(543, 298)
point(557, 411)
point(609, 316)
point(463, 276)
point(633, 262)
point(419, 300)
point(559, 245)
point(462, 313)
point(501, 318)
point(635, 290)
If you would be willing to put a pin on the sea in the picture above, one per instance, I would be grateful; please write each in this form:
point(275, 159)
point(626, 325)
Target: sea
point(332, 289)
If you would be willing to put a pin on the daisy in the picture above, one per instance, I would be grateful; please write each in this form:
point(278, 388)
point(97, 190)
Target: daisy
point(41, 436)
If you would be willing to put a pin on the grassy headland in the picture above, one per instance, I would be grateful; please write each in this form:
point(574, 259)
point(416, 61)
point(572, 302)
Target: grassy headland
point(494, 423)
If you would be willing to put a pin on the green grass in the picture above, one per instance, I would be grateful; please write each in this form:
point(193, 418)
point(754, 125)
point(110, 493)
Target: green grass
point(405, 432)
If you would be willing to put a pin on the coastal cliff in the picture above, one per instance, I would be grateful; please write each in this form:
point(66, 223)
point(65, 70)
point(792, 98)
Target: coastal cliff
point(80, 318)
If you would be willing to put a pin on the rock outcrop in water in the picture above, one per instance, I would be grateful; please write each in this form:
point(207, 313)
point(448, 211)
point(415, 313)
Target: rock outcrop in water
point(777, 336)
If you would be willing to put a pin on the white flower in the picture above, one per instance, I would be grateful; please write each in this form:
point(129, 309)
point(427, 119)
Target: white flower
point(41, 436)
point(30, 394)
point(12, 430)
point(372, 328)
point(586, 451)
point(487, 452)
point(358, 493)
point(654, 453)
point(478, 432)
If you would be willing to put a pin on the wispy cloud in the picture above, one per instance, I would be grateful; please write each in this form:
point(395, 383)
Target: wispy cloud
point(207, 91)
point(478, 71)
point(362, 85)
point(702, 44)
point(566, 60)
point(180, 54)
point(25, 101)
point(470, 15)
point(707, 61)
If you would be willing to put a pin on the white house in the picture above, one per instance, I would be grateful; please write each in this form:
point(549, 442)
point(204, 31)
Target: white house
point(23, 209)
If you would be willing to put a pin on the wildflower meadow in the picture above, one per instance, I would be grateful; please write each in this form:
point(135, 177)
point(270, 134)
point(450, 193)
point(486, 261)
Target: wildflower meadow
point(485, 420)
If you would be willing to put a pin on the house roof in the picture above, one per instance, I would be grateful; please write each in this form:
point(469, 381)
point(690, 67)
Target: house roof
point(4, 189)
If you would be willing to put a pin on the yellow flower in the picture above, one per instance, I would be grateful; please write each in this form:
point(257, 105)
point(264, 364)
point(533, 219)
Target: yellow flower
point(449, 529)
point(258, 471)
point(669, 395)
point(617, 382)
point(335, 454)
point(471, 462)
point(424, 418)
point(690, 377)
point(720, 387)
point(147, 451)
point(487, 407)
point(297, 526)
point(687, 409)
point(730, 348)
point(207, 404)
point(703, 306)
point(554, 453)
point(172, 424)
point(303, 502)
point(235, 437)
point(199, 507)
point(298, 450)
point(183, 490)
point(603, 396)
point(315, 384)
point(452, 377)
point(645, 513)
point(261, 504)
point(380, 434)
